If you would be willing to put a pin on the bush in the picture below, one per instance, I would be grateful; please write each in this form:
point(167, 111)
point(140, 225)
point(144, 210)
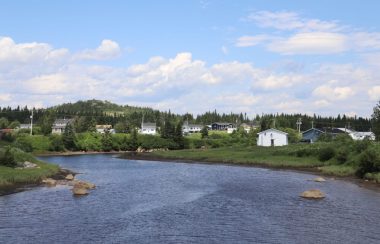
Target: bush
point(326, 153)
point(7, 158)
point(56, 143)
point(342, 154)
point(361, 146)
point(24, 144)
point(369, 162)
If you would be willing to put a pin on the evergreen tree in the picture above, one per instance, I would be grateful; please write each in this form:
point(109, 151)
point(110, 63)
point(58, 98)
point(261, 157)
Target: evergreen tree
point(106, 141)
point(7, 158)
point(376, 121)
point(204, 132)
point(134, 141)
point(178, 136)
point(68, 138)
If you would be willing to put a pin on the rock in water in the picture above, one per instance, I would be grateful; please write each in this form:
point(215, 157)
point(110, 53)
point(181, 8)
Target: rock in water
point(69, 177)
point(313, 194)
point(79, 191)
point(83, 184)
point(50, 182)
point(319, 179)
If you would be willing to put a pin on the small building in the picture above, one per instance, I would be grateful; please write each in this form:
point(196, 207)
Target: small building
point(59, 125)
point(191, 128)
point(231, 130)
point(221, 126)
point(25, 126)
point(359, 135)
point(311, 135)
point(148, 128)
point(103, 128)
point(250, 126)
point(272, 137)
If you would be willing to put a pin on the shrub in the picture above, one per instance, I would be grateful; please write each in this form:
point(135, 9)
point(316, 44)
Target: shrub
point(361, 146)
point(7, 158)
point(326, 153)
point(56, 143)
point(342, 154)
point(24, 144)
point(369, 162)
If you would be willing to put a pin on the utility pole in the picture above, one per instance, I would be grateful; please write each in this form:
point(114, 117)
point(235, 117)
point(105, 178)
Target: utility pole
point(31, 123)
point(312, 124)
point(299, 123)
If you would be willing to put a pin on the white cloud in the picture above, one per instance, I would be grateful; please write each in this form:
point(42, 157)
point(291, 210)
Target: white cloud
point(374, 93)
point(333, 93)
point(285, 20)
point(275, 81)
point(248, 41)
point(311, 43)
point(224, 50)
point(108, 49)
point(5, 97)
point(366, 40)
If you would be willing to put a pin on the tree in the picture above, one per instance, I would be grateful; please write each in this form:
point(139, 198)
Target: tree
point(68, 138)
point(121, 127)
point(376, 121)
point(169, 130)
point(178, 136)
point(134, 141)
point(107, 141)
point(204, 132)
point(3, 123)
point(7, 158)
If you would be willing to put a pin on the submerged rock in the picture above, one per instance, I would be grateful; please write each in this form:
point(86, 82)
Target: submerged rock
point(319, 179)
point(313, 194)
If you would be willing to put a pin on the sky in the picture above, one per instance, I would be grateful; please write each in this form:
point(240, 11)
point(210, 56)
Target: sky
point(194, 56)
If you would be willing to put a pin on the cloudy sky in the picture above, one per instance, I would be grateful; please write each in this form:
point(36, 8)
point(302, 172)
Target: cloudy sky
point(193, 56)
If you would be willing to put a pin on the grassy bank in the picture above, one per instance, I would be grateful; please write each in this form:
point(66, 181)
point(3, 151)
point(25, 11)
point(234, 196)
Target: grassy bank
point(11, 177)
point(281, 157)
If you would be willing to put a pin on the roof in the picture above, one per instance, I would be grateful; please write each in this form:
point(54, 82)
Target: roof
point(148, 125)
point(222, 123)
point(63, 121)
point(274, 130)
point(103, 126)
point(313, 129)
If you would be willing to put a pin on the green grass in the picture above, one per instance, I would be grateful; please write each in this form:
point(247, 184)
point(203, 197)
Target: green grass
point(271, 157)
point(338, 170)
point(12, 176)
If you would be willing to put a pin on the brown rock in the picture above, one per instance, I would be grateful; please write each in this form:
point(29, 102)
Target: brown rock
point(319, 179)
point(313, 194)
point(50, 182)
point(69, 177)
point(79, 191)
point(83, 184)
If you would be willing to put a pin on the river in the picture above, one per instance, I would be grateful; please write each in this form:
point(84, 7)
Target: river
point(165, 202)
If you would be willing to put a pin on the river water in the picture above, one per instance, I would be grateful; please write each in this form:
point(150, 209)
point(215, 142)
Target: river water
point(163, 202)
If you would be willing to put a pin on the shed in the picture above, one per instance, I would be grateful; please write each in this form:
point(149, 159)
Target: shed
point(272, 137)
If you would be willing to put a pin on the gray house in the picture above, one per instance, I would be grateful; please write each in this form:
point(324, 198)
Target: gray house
point(311, 135)
point(59, 125)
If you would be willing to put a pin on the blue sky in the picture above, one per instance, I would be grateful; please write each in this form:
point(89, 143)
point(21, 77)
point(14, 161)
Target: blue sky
point(193, 56)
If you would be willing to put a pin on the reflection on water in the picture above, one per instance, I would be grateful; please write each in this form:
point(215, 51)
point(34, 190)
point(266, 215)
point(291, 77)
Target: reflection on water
point(157, 202)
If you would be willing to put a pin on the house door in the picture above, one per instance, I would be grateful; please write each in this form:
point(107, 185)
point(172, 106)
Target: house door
point(272, 142)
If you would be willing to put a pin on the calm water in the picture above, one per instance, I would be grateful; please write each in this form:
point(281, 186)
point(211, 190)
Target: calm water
point(156, 202)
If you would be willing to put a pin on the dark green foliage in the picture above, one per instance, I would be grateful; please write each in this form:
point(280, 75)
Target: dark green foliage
point(68, 138)
point(342, 154)
point(376, 121)
point(7, 158)
point(56, 143)
point(369, 162)
point(168, 132)
point(204, 132)
point(23, 143)
point(107, 141)
point(361, 146)
point(326, 153)
point(134, 141)
point(178, 136)
point(4, 123)
point(325, 137)
point(155, 142)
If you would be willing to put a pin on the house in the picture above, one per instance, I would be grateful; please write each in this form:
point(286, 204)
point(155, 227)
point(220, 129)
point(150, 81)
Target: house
point(148, 128)
point(231, 130)
point(357, 135)
point(221, 126)
point(102, 129)
point(59, 125)
point(25, 126)
point(191, 128)
point(311, 135)
point(272, 137)
point(250, 126)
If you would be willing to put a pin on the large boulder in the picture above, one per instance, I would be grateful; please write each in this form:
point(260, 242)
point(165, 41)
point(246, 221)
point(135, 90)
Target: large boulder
point(313, 194)
point(79, 191)
point(29, 165)
point(84, 184)
point(49, 182)
point(319, 179)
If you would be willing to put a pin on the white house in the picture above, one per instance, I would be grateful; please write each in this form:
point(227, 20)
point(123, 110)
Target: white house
point(358, 135)
point(191, 128)
point(231, 130)
point(59, 125)
point(25, 126)
point(148, 128)
point(272, 137)
point(102, 129)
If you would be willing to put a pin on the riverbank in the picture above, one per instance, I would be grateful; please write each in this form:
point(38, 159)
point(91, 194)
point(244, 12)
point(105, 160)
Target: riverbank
point(257, 157)
point(74, 153)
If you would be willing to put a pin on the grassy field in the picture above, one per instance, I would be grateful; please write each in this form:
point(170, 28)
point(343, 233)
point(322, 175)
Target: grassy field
point(10, 177)
point(279, 157)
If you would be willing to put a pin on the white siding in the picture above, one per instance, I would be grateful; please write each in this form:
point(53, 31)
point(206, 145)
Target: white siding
point(265, 138)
